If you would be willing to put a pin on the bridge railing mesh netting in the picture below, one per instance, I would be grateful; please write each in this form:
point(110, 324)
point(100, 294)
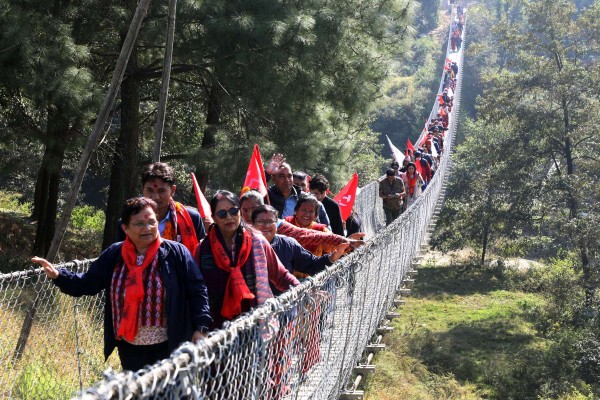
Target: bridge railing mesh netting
point(303, 344)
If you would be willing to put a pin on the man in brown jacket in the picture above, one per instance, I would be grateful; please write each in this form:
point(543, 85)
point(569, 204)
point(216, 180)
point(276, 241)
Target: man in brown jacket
point(391, 190)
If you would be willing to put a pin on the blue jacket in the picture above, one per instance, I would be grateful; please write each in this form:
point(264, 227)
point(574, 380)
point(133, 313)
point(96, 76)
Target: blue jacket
point(294, 257)
point(186, 298)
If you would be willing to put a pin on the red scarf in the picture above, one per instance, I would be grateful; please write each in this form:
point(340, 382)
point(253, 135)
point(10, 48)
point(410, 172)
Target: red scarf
point(180, 223)
point(134, 287)
point(411, 182)
point(236, 290)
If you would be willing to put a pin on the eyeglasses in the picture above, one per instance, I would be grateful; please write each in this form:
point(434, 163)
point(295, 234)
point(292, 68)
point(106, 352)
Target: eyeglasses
point(264, 222)
point(141, 225)
point(233, 211)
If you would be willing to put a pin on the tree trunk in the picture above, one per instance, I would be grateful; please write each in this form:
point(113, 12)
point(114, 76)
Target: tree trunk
point(123, 175)
point(166, 78)
point(209, 141)
point(47, 187)
point(589, 285)
point(485, 241)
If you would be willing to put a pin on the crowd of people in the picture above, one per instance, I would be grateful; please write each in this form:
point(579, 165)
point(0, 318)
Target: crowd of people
point(173, 275)
point(401, 186)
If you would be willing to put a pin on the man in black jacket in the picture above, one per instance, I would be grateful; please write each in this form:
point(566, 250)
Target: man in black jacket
point(283, 195)
point(319, 186)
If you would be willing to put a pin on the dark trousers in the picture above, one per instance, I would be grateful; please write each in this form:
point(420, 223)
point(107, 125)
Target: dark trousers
point(391, 215)
point(134, 357)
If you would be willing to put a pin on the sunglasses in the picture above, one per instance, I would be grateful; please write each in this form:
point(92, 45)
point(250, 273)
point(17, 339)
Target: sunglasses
point(233, 211)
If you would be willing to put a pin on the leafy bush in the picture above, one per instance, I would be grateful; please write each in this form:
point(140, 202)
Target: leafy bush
point(88, 218)
point(10, 201)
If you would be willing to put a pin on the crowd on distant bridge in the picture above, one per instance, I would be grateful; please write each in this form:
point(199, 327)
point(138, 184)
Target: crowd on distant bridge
point(401, 186)
point(175, 272)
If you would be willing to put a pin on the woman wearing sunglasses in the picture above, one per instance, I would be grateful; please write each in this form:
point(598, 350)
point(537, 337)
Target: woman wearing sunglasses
point(237, 263)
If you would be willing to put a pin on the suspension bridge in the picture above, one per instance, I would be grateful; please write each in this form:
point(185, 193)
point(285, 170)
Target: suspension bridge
point(313, 342)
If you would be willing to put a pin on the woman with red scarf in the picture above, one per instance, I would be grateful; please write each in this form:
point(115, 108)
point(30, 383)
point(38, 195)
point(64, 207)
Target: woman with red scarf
point(155, 295)
point(237, 263)
point(414, 181)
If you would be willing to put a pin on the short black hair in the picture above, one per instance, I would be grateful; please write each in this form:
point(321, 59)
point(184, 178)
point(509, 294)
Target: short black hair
point(223, 194)
point(158, 170)
point(262, 209)
point(308, 198)
point(135, 205)
point(252, 194)
point(390, 172)
point(299, 175)
point(319, 182)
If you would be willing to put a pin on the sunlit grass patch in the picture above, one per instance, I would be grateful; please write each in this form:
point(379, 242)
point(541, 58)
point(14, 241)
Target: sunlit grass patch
point(459, 329)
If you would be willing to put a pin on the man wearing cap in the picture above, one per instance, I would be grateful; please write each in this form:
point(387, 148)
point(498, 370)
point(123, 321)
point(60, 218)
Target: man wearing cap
point(391, 190)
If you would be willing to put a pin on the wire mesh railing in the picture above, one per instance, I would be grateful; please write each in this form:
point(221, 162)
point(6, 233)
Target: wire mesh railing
point(300, 345)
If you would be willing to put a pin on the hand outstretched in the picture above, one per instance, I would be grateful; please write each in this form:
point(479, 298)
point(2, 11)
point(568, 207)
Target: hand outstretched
point(49, 269)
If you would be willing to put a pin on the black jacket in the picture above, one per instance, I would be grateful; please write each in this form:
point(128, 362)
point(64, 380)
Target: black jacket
point(335, 215)
point(277, 200)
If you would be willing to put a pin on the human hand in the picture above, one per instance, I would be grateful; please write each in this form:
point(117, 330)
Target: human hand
point(49, 269)
point(357, 236)
point(338, 252)
point(207, 222)
point(276, 160)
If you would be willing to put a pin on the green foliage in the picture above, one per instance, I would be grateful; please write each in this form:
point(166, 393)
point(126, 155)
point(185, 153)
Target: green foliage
point(88, 218)
point(490, 194)
point(297, 79)
point(12, 202)
point(401, 111)
point(462, 323)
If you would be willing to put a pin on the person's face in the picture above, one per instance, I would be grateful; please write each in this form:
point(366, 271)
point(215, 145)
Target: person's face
point(306, 214)
point(161, 192)
point(302, 183)
point(142, 228)
point(226, 222)
point(248, 206)
point(266, 222)
point(411, 169)
point(318, 194)
point(283, 180)
point(390, 178)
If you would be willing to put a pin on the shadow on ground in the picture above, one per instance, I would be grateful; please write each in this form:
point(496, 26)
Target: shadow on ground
point(434, 281)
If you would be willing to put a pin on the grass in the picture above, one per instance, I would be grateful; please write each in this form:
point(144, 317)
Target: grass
point(459, 330)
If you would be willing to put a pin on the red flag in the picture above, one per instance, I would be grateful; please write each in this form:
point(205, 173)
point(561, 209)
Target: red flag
point(203, 206)
point(255, 177)
point(418, 166)
point(345, 198)
point(256, 155)
point(410, 146)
